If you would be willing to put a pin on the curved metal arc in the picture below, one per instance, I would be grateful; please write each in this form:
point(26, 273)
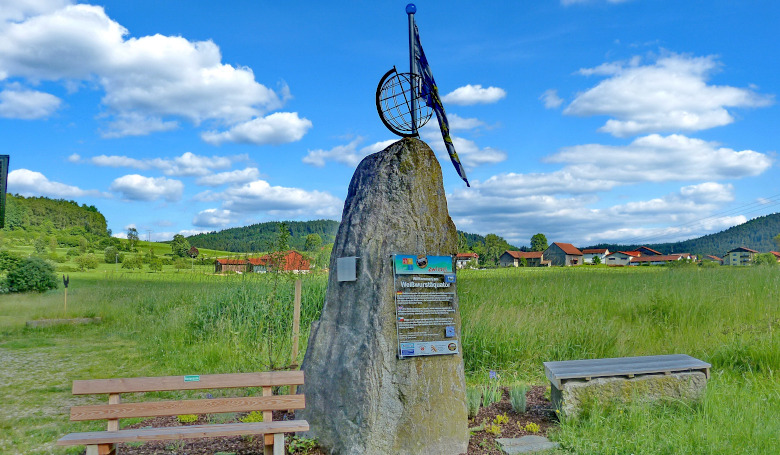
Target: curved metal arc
point(379, 106)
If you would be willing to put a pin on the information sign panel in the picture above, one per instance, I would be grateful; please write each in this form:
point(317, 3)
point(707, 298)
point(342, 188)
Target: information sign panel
point(425, 289)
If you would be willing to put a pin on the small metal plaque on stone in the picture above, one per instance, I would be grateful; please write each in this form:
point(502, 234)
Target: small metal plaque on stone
point(346, 268)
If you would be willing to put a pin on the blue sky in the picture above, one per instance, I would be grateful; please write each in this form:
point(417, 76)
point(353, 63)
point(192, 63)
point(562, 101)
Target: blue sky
point(591, 121)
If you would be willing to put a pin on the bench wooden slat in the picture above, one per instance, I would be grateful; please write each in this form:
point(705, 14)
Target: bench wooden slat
point(169, 408)
point(206, 381)
point(621, 366)
point(184, 432)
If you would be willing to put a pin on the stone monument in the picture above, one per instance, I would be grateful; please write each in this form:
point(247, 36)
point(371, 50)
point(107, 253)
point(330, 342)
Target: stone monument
point(364, 398)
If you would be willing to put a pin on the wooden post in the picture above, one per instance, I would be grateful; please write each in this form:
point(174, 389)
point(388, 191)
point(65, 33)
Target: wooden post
point(268, 439)
point(296, 331)
point(66, 301)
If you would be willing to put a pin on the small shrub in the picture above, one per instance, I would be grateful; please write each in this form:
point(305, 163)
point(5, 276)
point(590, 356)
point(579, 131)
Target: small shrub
point(301, 445)
point(254, 416)
point(517, 398)
point(32, 274)
point(501, 419)
point(86, 261)
point(473, 401)
point(531, 427)
point(187, 418)
point(493, 429)
point(491, 393)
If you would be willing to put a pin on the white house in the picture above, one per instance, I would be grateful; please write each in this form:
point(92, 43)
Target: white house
point(589, 253)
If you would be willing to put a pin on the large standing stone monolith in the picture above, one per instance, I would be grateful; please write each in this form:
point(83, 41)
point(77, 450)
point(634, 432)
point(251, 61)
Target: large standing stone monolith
point(361, 398)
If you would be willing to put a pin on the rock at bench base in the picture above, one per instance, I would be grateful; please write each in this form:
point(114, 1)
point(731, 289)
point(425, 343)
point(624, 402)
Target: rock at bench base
point(526, 444)
point(576, 393)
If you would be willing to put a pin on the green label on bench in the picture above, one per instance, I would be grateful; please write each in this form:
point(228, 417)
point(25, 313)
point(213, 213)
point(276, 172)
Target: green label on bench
point(192, 378)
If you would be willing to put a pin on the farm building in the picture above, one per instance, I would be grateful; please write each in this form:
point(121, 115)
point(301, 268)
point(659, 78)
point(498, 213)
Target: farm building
point(289, 261)
point(514, 259)
point(712, 258)
point(461, 259)
point(563, 254)
point(739, 256)
point(646, 251)
point(230, 265)
point(657, 259)
point(620, 258)
point(777, 255)
point(589, 253)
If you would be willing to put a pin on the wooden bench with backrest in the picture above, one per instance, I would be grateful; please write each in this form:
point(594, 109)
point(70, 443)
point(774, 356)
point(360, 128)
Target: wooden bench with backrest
point(104, 442)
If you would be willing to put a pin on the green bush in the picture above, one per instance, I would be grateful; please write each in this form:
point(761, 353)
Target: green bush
point(132, 262)
point(32, 274)
point(86, 261)
point(9, 261)
point(473, 401)
point(517, 397)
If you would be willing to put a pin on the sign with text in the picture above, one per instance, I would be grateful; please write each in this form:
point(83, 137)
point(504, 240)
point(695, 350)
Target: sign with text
point(424, 305)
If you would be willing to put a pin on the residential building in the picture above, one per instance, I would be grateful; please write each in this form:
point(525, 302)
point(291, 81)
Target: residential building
point(288, 261)
point(739, 256)
point(462, 259)
point(589, 253)
point(621, 258)
point(564, 254)
point(514, 259)
point(777, 255)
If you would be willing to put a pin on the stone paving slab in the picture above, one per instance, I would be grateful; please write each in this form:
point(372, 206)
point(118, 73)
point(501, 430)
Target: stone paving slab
point(526, 444)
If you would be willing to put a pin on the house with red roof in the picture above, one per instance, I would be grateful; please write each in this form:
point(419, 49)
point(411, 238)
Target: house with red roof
point(462, 259)
point(589, 253)
point(712, 258)
point(288, 261)
point(564, 254)
point(647, 251)
point(515, 259)
point(777, 255)
point(222, 265)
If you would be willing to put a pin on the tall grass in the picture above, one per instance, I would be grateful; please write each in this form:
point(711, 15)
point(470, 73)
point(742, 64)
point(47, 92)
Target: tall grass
point(513, 320)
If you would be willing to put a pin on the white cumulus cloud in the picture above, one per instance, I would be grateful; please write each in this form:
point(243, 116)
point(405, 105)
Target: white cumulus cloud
point(276, 128)
point(186, 165)
point(27, 104)
point(136, 187)
point(474, 94)
point(350, 154)
point(230, 178)
point(150, 83)
point(32, 183)
point(657, 158)
point(551, 99)
point(670, 94)
point(261, 196)
point(212, 218)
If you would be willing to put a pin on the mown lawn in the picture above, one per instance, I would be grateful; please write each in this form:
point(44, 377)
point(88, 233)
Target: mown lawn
point(513, 320)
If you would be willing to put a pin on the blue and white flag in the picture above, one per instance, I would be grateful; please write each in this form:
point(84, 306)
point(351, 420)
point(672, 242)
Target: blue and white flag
point(430, 93)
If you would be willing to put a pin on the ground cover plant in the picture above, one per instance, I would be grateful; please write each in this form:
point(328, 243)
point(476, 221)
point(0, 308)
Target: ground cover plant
point(513, 319)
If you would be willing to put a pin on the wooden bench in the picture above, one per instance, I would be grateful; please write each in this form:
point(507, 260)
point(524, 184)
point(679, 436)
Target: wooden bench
point(104, 442)
point(567, 375)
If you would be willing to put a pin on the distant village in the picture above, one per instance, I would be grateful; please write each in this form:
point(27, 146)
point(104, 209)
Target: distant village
point(566, 254)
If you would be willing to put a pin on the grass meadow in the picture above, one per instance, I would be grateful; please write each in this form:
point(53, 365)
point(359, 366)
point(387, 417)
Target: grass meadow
point(513, 320)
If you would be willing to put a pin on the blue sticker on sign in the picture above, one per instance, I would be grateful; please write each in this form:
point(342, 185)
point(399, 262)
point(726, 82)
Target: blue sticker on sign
point(449, 331)
point(407, 349)
point(449, 278)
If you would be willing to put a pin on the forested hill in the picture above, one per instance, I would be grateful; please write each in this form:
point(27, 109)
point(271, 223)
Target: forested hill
point(41, 214)
point(260, 237)
point(758, 234)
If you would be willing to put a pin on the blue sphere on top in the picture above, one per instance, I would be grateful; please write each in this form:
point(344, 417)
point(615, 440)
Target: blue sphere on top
point(411, 9)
